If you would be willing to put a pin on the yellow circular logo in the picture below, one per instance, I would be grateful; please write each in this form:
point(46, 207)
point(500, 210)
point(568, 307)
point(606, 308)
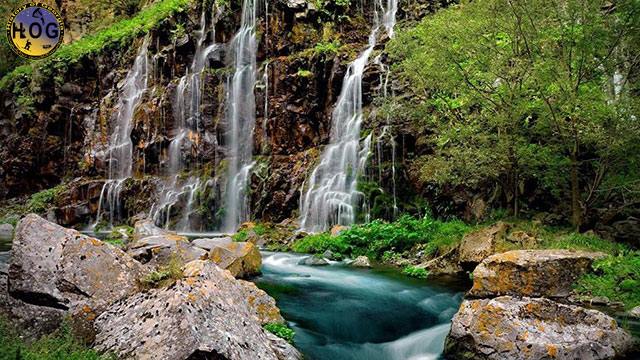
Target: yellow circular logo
point(35, 30)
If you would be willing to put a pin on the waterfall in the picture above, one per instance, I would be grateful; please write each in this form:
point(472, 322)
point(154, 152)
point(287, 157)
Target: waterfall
point(332, 196)
point(120, 150)
point(241, 112)
point(188, 117)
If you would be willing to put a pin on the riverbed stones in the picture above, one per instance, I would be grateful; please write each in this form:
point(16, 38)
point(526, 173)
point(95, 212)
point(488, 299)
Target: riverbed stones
point(6, 231)
point(635, 312)
point(204, 315)
point(361, 262)
point(62, 268)
point(242, 259)
point(313, 261)
point(533, 328)
point(480, 244)
point(536, 273)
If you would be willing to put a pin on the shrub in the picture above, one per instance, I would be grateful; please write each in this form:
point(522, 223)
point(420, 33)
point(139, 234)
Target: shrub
point(319, 243)
point(281, 330)
point(40, 201)
point(165, 276)
point(62, 344)
point(617, 277)
point(576, 241)
point(416, 272)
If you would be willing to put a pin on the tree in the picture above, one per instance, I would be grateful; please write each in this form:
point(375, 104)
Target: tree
point(522, 92)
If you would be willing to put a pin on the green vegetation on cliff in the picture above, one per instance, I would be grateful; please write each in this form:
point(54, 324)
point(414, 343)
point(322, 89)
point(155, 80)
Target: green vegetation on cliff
point(532, 101)
point(281, 330)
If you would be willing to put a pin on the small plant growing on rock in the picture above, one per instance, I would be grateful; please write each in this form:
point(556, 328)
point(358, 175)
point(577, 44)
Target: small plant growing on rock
point(415, 272)
point(281, 330)
point(165, 275)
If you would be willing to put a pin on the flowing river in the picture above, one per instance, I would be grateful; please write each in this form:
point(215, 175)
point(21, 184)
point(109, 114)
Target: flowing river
point(339, 312)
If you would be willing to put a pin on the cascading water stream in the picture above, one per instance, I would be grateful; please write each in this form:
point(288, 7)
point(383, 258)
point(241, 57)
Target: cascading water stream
point(332, 196)
point(120, 150)
point(188, 116)
point(241, 112)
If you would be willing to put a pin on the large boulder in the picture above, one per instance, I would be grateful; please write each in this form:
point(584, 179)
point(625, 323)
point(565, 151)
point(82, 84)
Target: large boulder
point(242, 259)
point(62, 268)
point(203, 316)
point(33, 321)
point(263, 306)
point(361, 262)
point(537, 273)
point(446, 264)
point(159, 250)
point(210, 243)
point(478, 245)
point(533, 328)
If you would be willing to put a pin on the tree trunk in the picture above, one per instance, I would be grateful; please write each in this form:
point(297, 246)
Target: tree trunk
point(576, 209)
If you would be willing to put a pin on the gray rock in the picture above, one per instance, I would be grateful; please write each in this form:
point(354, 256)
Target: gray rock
point(361, 261)
point(446, 264)
point(203, 315)
point(635, 312)
point(313, 261)
point(242, 259)
point(6, 231)
point(146, 227)
point(478, 245)
point(533, 328)
point(63, 269)
point(263, 306)
point(161, 249)
point(536, 273)
point(600, 301)
point(209, 244)
point(32, 321)
point(328, 254)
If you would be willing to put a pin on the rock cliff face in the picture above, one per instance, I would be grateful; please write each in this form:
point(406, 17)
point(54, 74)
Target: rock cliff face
point(62, 130)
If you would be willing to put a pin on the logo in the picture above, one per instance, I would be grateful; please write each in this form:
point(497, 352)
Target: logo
point(35, 30)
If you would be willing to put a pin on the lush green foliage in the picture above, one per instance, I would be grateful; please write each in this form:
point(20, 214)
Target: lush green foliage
point(281, 330)
point(40, 201)
point(520, 97)
point(318, 243)
point(617, 277)
point(576, 241)
point(416, 272)
point(57, 346)
point(119, 234)
point(379, 237)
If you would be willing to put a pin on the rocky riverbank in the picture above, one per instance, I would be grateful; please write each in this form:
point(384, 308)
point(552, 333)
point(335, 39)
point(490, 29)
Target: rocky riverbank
point(115, 302)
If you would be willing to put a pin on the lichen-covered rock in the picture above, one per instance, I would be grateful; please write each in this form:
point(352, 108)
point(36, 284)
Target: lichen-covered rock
point(446, 264)
point(361, 261)
point(537, 273)
point(478, 245)
point(62, 268)
point(210, 243)
point(242, 259)
point(263, 305)
point(204, 316)
point(533, 328)
point(161, 249)
point(33, 321)
point(635, 312)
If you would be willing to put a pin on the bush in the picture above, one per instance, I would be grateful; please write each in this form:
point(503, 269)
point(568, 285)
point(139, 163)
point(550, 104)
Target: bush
point(617, 277)
point(319, 243)
point(40, 201)
point(281, 330)
point(59, 345)
point(416, 272)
